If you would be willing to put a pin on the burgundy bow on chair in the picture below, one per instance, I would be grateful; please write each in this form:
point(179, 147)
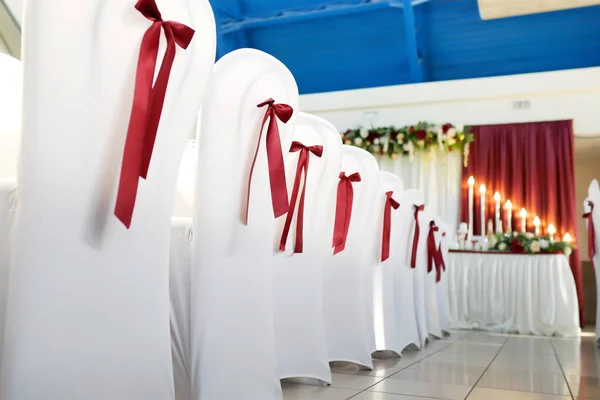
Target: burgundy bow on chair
point(343, 210)
point(301, 170)
point(148, 103)
point(279, 195)
point(415, 246)
point(591, 232)
point(387, 225)
point(441, 254)
point(433, 254)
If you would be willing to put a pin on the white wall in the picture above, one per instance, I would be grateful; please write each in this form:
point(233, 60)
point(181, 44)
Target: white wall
point(571, 94)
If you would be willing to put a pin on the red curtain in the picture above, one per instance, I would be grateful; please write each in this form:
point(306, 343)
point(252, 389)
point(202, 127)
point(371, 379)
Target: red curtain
point(532, 165)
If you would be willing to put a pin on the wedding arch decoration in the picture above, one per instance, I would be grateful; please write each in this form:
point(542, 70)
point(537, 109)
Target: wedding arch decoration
point(405, 141)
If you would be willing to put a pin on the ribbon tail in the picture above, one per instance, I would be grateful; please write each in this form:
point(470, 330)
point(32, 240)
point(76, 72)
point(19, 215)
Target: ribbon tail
point(277, 180)
point(290, 214)
point(299, 248)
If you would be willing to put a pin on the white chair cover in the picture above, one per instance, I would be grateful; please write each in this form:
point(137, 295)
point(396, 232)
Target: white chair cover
point(186, 182)
point(594, 197)
point(442, 240)
point(11, 81)
point(179, 289)
point(298, 278)
point(387, 335)
point(431, 302)
point(410, 199)
point(348, 276)
point(232, 312)
point(89, 300)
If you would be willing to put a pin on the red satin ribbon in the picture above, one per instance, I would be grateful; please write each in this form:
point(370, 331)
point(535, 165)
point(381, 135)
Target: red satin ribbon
point(387, 225)
point(148, 101)
point(343, 210)
point(433, 254)
point(441, 254)
point(591, 232)
point(413, 258)
point(301, 170)
point(279, 195)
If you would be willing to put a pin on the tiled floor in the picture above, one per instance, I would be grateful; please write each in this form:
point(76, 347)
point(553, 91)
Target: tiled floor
point(473, 366)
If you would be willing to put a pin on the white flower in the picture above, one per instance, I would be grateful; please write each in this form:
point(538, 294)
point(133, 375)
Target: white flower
point(451, 132)
point(376, 141)
point(400, 137)
point(535, 247)
point(544, 244)
point(568, 251)
point(364, 132)
point(515, 234)
point(406, 146)
point(421, 143)
point(357, 141)
point(529, 235)
point(502, 246)
point(460, 127)
point(439, 130)
point(451, 141)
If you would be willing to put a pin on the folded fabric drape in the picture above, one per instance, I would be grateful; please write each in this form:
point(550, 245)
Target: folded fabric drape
point(301, 170)
point(591, 232)
point(343, 210)
point(387, 225)
point(279, 195)
point(148, 103)
point(413, 257)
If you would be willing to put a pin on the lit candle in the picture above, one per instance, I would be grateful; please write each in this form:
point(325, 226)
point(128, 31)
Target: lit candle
point(537, 223)
point(497, 197)
point(482, 191)
point(551, 232)
point(508, 207)
point(567, 238)
point(471, 205)
point(523, 215)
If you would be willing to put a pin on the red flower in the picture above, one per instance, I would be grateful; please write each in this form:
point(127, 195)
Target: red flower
point(411, 130)
point(516, 246)
point(446, 128)
point(421, 134)
point(372, 136)
point(393, 135)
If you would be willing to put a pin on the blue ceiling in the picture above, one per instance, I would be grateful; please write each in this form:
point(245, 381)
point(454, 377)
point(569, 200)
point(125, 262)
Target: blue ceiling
point(337, 45)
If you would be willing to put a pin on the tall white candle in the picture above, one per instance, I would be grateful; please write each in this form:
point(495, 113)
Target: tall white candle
point(471, 206)
point(537, 223)
point(509, 207)
point(523, 215)
point(497, 197)
point(482, 191)
point(551, 232)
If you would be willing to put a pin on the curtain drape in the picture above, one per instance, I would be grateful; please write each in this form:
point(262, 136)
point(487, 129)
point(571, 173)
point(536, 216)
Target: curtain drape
point(532, 165)
point(437, 175)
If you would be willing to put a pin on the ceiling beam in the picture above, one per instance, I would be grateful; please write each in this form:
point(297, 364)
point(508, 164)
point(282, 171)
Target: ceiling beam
point(326, 11)
point(410, 30)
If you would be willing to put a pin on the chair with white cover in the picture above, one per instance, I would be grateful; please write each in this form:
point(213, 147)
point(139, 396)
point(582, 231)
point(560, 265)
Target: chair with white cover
point(88, 313)
point(300, 341)
point(412, 212)
point(591, 207)
point(11, 79)
point(442, 239)
point(232, 329)
point(429, 265)
point(386, 259)
point(348, 275)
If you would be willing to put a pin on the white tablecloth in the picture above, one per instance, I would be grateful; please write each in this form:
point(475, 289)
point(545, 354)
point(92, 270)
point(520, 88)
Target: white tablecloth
point(528, 294)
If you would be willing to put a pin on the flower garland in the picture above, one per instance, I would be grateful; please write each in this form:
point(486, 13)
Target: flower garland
point(528, 243)
point(406, 140)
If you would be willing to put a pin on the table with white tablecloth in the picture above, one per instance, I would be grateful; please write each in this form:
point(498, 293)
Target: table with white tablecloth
point(516, 293)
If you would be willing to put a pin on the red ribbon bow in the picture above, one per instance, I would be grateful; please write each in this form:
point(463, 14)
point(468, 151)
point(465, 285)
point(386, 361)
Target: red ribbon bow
point(302, 169)
point(148, 101)
point(387, 225)
point(433, 253)
point(343, 210)
point(441, 254)
point(413, 257)
point(591, 232)
point(279, 195)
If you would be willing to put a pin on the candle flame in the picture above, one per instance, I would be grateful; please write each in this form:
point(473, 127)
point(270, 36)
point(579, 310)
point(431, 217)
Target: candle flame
point(482, 189)
point(551, 229)
point(567, 238)
point(497, 196)
point(471, 181)
point(536, 221)
point(523, 213)
point(508, 205)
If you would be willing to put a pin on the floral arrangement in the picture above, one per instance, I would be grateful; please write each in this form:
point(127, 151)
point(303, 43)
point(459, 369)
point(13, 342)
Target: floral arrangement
point(405, 141)
point(528, 243)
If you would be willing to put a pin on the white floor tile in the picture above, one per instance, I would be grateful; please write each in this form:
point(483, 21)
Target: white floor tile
point(307, 392)
point(424, 389)
point(495, 394)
